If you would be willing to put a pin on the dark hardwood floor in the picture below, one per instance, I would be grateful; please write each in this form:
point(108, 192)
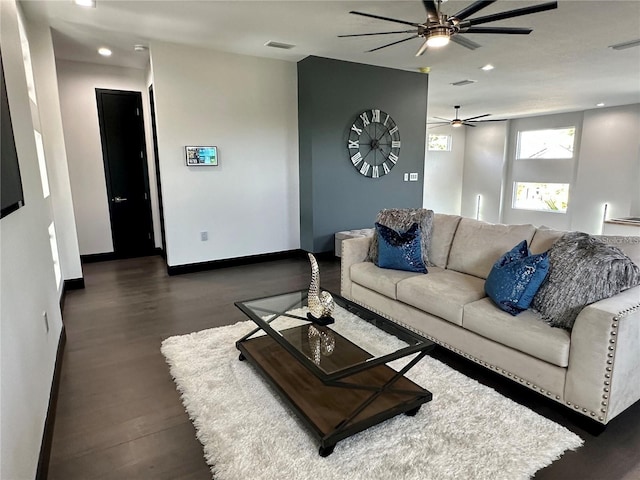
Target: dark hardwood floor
point(119, 415)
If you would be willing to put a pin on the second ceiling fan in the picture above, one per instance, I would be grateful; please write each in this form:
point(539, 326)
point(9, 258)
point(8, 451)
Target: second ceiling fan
point(467, 122)
point(439, 27)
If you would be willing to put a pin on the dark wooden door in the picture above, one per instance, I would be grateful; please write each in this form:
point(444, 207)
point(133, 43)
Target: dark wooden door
point(125, 165)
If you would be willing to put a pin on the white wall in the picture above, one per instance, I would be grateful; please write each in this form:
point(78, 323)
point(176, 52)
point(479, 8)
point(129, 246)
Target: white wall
point(608, 168)
point(484, 171)
point(442, 173)
point(77, 83)
point(27, 350)
point(247, 107)
point(46, 83)
point(541, 170)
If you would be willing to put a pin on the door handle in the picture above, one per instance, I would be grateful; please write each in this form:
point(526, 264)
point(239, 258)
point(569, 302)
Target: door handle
point(119, 199)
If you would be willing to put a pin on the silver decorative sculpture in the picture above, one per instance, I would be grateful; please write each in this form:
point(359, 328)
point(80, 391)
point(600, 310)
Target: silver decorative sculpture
point(322, 343)
point(321, 304)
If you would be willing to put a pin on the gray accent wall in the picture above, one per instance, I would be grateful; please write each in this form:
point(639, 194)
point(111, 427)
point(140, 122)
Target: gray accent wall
point(334, 196)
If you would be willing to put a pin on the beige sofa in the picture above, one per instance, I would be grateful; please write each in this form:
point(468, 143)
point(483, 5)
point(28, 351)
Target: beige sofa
point(593, 369)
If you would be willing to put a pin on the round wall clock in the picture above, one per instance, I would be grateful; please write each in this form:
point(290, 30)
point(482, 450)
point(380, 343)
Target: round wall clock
point(374, 143)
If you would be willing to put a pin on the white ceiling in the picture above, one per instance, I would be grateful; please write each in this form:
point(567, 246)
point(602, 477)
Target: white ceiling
point(564, 65)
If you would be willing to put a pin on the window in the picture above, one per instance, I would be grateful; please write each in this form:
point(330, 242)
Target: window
point(54, 254)
point(545, 197)
point(556, 143)
point(44, 178)
point(439, 143)
point(26, 58)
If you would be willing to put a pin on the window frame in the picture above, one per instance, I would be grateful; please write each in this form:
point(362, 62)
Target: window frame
point(519, 133)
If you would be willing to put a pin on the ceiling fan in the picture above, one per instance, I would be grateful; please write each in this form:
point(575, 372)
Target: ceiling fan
point(439, 27)
point(459, 122)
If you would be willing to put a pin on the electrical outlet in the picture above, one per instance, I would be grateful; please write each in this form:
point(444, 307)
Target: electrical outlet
point(204, 236)
point(46, 320)
point(413, 177)
point(406, 177)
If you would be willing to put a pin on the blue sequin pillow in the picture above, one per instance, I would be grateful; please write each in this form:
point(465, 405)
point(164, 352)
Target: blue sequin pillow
point(516, 277)
point(400, 250)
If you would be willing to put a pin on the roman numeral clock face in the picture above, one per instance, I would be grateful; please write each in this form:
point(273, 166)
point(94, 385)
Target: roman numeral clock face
point(374, 143)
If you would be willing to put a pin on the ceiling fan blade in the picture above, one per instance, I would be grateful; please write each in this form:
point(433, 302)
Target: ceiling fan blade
point(473, 118)
point(509, 14)
point(377, 33)
point(431, 8)
point(422, 49)
point(385, 18)
point(505, 30)
point(445, 119)
point(468, 124)
point(492, 120)
point(438, 123)
point(392, 43)
point(473, 8)
point(465, 42)
point(437, 126)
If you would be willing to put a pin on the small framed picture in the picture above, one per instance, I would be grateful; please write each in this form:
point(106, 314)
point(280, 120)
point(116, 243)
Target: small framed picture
point(200, 156)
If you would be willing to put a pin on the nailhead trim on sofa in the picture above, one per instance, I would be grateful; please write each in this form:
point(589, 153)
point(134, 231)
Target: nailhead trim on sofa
point(556, 397)
point(611, 359)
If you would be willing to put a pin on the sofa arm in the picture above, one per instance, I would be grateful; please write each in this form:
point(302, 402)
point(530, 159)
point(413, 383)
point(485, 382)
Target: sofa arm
point(354, 250)
point(603, 376)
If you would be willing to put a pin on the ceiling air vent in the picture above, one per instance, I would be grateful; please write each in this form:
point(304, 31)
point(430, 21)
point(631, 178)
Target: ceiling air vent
point(284, 46)
point(622, 46)
point(462, 83)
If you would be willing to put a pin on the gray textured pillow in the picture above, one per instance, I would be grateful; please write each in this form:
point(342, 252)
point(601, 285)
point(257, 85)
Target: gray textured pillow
point(401, 219)
point(582, 270)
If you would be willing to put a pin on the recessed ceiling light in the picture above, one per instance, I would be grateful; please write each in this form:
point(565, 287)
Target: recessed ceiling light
point(601, 104)
point(140, 48)
point(487, 67)
point(85, 3)
point(104, 51)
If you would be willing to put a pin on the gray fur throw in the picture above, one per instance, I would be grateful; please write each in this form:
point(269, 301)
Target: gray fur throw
point(582, 270)
point(400, 220)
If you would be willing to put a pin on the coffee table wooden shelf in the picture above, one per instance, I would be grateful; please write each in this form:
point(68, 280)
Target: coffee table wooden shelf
point(339, 387)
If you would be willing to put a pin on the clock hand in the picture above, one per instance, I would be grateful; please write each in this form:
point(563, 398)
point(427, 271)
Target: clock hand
point(383, 133)
point(368, 154)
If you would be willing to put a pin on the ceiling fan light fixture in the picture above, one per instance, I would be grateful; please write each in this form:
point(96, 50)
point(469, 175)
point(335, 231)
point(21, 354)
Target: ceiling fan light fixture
point(438, 37)
point(456, 123)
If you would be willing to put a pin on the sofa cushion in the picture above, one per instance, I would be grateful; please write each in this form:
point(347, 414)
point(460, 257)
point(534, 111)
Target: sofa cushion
point(516, 277)
point(525, 332)
point(400, 250)
point(544, 238)
point(400, 219)
point(583, 270)
point(443, 293)
point(444, 228)
point(478, 245)
point(378, 279)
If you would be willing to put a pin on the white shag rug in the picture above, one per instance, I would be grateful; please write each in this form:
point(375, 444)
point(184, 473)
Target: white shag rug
point(468, 431)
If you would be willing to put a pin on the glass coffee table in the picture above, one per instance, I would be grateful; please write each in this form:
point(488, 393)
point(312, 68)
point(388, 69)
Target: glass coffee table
point(334, 377)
